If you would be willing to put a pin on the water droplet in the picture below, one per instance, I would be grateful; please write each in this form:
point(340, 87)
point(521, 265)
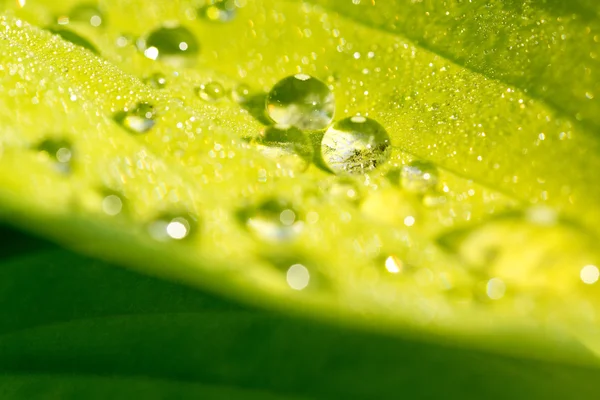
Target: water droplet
point(419, 176)
point(589, 274)
point(345, 189)
point(211, 91)
point(301, 101)
point(298, 277)
point(88, 14)
point(112, 204)
point(495, 288)
point(172, 227)
point(393, 264)
point(59, 151)
point(156, 80)
point(173, 43)
point(140, 119)
point(241, 93)
point(272, 220)
point(289, 146)
point(355, 145)
point(74, 38)
point(218, 11)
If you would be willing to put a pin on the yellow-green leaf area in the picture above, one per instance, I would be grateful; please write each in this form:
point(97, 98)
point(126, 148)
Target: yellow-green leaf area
point(146, 140)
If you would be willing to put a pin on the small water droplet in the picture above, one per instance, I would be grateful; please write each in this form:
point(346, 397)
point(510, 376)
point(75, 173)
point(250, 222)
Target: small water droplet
point(140, 119)
point(211, 91)
point(393, 264)
point(88, 14)
point(241, 93)
point(59, 151)
point(74, 38)
point(495, 288)
point(112, 204)
point(301, 101)
point(218, 11)
point(298, 277)
point(355, 145)
point(170, 43)
point(419, 176)
point(289, 146)
point(172, 227)
point(589, 274)
point(272, 220)
point(345, 189)
point(156, 80)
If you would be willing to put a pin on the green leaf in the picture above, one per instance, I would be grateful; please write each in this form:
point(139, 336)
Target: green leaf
point(494, 249)
point(80, 328)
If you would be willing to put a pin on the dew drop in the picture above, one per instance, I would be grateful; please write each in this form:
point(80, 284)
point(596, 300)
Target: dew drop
point(137, 120)
point(173, 44)
point(112, 205)
point(419, 176)
point(289, 146)
point(393, 264)
point(298, 277)
point(156, 80)
point(88, 14)
point(211, 91)
point(355, 145)
point(59, 151)
point(345, 189)
point(74, 38)
point(301, 101)
point(495, 288)
point(589, 274)
point(171, 227)
point(272, 220)
point(240, 93)
point(218, 11)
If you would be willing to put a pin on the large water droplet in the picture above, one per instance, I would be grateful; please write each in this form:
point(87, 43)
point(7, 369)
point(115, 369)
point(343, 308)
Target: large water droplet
point(59, 151)
point(211, 91)
point(301, 101)
point(218, 11)
point(174, 44)
point(172, 227)
point(74, 38)
point(355, 145)
point(272, 220)
point(139, 119)
point(88, 14)
point(289, 146)
point(419, 176)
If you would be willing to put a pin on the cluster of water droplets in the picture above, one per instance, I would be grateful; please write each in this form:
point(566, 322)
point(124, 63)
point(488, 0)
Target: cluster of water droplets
point(302, 131)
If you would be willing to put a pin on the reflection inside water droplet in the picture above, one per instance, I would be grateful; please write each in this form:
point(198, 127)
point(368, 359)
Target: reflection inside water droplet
point(174, 44)
point(355, 145)
point(289, 146)
point(272, 220)
point(301, 101)
point(218, 11)
point(240, 93)
point(140, 119)
point(419, 176)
